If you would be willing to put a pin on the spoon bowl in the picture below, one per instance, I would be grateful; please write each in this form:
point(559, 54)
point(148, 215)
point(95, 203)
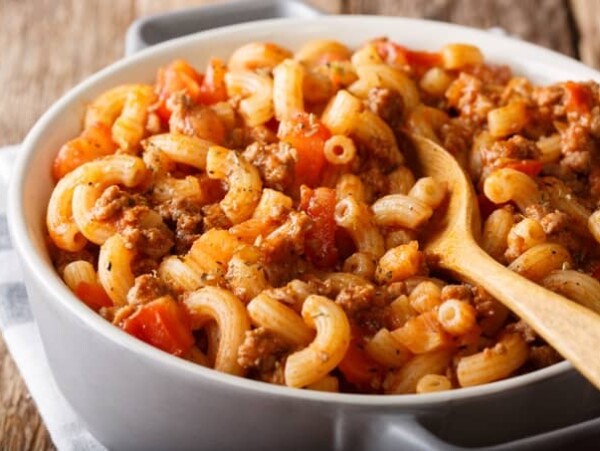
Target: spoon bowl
point(573, 330)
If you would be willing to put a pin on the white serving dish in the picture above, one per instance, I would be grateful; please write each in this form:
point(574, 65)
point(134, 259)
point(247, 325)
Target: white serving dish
point(133, 396)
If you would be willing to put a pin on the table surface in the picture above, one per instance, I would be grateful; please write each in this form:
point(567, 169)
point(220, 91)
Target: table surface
point(47, 46)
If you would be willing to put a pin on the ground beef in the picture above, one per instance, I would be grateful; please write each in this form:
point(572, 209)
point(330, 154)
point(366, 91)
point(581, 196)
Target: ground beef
point(153, 242)
point(283, 247)
point(515, 148)
point(548, 101)
point(375, 182)
point(534, 211)
point(457, 137)
point(112, 203)
point(577, 146)
point(484, 303)
point(490, 74)
point(185, 216)
point(578, 162)
point(259, 134)
point(215, 217)
point(146, 288)
point(144, 265)
point(554, 222)
point(460, 292)
point(262, 353)
point(517, 90)
point(492, 313)
point(594, 125)
point(549, 97)
point(388, 105)
point(355, 298)
point(524, 329)
point(287, 241)
point(365, 305)
point(275, 163)
point(542, 356)
point(196, 120)
point(466, 96)
point(594, 180)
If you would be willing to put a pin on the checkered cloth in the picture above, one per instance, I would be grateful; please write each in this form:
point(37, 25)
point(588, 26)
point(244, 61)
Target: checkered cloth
point(23, 339)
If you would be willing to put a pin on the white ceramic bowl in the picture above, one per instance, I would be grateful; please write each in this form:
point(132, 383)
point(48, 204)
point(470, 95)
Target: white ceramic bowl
point(133, 396)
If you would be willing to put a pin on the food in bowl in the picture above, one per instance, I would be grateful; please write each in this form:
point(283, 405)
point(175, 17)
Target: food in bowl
point(261, 219)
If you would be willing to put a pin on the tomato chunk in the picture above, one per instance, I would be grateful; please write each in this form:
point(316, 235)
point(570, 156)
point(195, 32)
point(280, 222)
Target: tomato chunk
point(307, 135)
point(394, 53)
point(213, 89)
point(163, 324)
point(320, 247)
point(94, 142)
point(530, 167)
point(177, 76)
point(93, 295)
point(578, 97)
point(357, 367)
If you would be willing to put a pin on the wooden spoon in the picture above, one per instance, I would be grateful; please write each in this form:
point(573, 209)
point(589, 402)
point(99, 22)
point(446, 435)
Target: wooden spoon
point(573, 330)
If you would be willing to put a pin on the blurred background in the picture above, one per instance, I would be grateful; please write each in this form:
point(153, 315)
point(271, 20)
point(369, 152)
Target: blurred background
point(48, 46)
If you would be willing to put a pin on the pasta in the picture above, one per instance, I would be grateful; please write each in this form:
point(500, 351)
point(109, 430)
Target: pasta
point(339, 149)
point(244, 182)
point(260, 218)
point(314, 362)
point(287, 89)
point(129, 128)
point(257, 55)
point(211, 303)
point(492, 364)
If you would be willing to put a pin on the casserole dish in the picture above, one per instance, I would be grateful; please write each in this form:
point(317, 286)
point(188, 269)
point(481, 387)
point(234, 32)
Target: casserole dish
point(135, 397)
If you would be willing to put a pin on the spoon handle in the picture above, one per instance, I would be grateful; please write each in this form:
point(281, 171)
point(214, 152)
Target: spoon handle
point(573, 330)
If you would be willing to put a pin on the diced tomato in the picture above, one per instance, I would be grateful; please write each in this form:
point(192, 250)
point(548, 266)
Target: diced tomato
point(578, 97)
point(163, 324)
point(307, 135)
point(94, 142)
point(423, 334)
point(394, 53)
point(93, 295)
point(357, 367)
point(177, 76)
point(319, 204)
point(213, 89)
point(530, 167)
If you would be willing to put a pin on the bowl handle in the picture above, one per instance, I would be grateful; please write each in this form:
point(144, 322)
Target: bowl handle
point(362, 433)
point(151, 30)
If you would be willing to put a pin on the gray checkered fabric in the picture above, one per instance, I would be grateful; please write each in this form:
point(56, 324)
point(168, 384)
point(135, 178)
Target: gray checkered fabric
point(22, 338)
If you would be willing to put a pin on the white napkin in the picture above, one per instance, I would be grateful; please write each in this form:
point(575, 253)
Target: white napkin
point(23, 339)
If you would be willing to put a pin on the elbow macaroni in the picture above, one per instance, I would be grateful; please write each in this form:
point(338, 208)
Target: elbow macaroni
point(288, 250)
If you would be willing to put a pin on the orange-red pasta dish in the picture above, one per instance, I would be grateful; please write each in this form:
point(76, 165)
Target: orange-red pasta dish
point(260, 218)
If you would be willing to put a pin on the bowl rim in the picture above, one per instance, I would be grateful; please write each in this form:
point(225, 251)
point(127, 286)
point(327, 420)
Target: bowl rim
point(46, 276)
